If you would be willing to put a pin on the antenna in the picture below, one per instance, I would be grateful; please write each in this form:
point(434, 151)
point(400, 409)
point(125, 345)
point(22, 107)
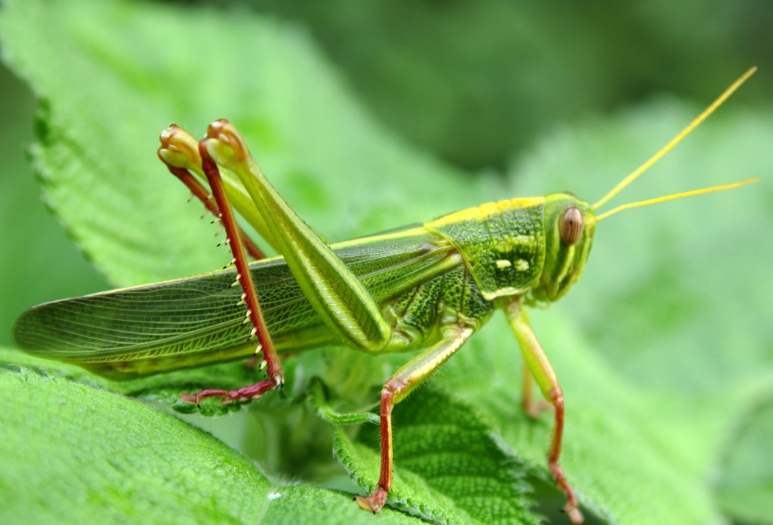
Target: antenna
point(675, 196)
point(686, 131)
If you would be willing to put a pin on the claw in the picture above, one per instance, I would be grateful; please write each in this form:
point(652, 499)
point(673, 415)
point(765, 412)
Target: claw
point(574, 513)
point(375, 502)
point(190, 398)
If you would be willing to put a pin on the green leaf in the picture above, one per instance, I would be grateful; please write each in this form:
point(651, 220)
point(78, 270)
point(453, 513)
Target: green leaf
point(129, 461)
point(160, 389)
point(747, 476)
point(104, 458)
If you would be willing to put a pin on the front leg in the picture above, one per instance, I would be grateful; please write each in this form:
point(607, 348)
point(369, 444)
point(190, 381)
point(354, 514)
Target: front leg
point(546, 379)
point(396, 389)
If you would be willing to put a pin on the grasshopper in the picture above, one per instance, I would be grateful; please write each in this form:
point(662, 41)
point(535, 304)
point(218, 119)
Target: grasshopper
point(428, 287)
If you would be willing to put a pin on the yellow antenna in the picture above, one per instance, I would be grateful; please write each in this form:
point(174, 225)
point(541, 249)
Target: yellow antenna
point(686, 131)
point(675, 196)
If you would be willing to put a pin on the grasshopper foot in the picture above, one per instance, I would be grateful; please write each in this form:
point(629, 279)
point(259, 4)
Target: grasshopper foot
point(375, 502)
point(575, 516)
point(242, 395)
point(572, 508)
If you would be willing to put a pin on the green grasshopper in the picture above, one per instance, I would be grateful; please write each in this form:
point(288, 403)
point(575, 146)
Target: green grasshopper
point(426, 287)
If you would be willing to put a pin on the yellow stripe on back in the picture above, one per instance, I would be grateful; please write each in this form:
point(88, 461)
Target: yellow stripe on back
point(480, 213)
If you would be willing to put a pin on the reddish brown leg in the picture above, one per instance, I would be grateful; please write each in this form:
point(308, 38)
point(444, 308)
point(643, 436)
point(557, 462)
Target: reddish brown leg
point(545, 377)
point(375, 502)
point(181, 153)
point(572, 506)
point(244, 275)
point(395, 390)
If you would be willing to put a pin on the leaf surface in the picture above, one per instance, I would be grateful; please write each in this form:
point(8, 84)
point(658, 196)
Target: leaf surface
point(84, 455)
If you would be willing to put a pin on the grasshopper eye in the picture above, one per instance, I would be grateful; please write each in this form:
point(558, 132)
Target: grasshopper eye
point(570, 226)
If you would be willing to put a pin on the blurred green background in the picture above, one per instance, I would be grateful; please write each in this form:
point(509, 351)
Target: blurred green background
point(474, 82)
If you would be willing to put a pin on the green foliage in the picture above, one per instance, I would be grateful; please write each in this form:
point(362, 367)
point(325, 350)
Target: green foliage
point(475, 81)
point(747, 482)
point(663, 349)
point(105, 458)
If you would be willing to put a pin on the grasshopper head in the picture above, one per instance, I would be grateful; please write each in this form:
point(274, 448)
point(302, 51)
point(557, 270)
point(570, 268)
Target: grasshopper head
point(569, 227)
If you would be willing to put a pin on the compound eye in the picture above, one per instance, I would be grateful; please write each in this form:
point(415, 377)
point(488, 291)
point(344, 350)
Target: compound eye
point(570, 226)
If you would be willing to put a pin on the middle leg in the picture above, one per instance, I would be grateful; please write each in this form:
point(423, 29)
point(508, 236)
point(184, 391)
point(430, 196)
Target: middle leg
point(411, 375)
